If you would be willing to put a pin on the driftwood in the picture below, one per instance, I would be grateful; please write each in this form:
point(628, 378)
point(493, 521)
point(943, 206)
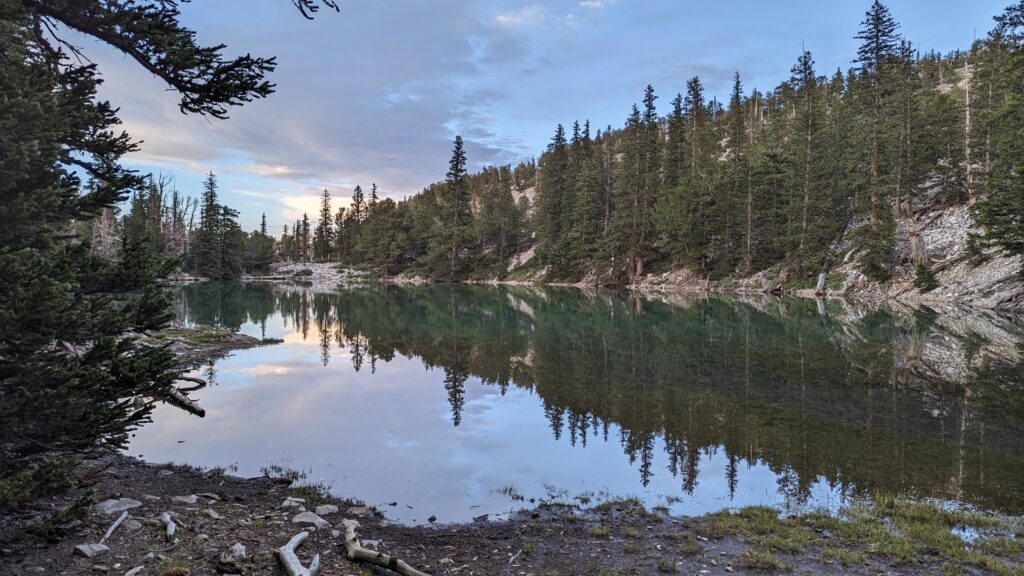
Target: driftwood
point(169, 526)
point(291, 563)
point(179, 399)
point(357, 553)
point(114, 526)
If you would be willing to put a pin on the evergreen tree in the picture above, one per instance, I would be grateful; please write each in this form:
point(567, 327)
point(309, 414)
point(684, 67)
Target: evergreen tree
point(55, 295)
point(1003, 212)
point(875, 56)
point(323, 236)
point(551, 192)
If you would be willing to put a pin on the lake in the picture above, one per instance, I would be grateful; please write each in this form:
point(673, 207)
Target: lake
point(458, 401)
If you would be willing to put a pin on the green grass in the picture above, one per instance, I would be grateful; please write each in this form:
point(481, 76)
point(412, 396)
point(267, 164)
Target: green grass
point(600, 532)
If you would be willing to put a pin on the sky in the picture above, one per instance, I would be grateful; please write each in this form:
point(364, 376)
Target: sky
point(378, 91)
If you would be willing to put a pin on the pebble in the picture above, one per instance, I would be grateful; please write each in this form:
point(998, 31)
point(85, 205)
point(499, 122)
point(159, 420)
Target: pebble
point(132, 525)
point(90, 550)
point(325, 509)
point(190, 499)
point(135, 571)
point(335, 533)
point(166, 472)
point(115, 505)
point(213, 514)
point(101, 568)
point(238, 550)
point(359, 510)
point(150, 497)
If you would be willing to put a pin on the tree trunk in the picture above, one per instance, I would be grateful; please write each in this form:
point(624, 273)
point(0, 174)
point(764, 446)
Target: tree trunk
point(917, 249)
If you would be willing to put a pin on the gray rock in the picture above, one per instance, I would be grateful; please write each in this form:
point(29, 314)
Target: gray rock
point(238, 551)
point(213, 514)
point(132, 524)
point(311, 518)
point(335, 533)
point(116, 505)
point(190, 499)
point(91, 550)
point(325, 509)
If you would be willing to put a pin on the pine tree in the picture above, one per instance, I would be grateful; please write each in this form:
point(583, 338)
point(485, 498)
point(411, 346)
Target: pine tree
point(1003, 212)
point(875, 57)
point(551, 192)
point(323, 236)
point(206, 248)
point(55, 295)
point(456, 210)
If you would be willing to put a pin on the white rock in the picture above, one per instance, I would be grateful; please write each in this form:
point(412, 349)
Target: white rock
point(238, 551)
point(325, 509)
point(115, 505)
point(311, 518)
point(213, 514)
point(132, 525)
point(335, 533)
point(190, 499)
point(90, 550)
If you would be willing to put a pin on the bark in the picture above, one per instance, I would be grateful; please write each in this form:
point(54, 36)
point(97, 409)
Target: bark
point(917, 249)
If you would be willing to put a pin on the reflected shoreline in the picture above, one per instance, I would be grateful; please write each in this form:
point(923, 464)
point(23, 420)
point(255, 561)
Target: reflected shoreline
point(858, 397)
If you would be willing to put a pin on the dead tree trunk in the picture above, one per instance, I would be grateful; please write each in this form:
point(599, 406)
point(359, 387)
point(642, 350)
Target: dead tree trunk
point(917, 249)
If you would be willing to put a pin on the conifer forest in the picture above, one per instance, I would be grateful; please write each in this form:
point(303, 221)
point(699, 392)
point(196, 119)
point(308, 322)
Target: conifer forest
point(755, 328)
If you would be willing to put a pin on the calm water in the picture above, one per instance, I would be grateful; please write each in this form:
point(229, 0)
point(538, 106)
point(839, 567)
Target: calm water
point(457, 401)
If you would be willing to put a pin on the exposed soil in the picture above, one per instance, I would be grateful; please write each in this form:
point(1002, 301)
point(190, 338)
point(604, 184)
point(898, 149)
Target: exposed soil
point(614, 538)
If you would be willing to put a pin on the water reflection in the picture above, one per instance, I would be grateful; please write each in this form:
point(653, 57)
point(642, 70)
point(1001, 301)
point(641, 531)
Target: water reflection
point(713, 402)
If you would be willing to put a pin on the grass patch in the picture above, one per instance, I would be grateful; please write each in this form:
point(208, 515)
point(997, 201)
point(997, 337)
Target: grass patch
point(601, 532)
point(631, 548)
point(622, 505)
point(666, 566)
point(843, 556)
point(761, 560)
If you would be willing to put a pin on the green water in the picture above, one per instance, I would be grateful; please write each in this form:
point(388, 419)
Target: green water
point(460, 399)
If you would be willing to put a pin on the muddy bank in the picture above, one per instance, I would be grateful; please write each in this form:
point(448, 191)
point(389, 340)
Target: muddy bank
point(215, 512)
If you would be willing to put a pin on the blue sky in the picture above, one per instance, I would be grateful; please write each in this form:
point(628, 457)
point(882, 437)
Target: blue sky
point(378, 91)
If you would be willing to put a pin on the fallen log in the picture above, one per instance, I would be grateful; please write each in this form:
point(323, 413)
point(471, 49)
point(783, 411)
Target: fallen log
point(291, 563)
point(179, 399)
point(357, 553)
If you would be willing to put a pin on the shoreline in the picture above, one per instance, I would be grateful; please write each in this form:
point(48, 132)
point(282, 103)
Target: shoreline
point(874, 293)
point(215, 511)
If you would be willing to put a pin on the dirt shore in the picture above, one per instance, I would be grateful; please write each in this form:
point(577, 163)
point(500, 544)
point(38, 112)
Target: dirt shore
point(214, 511)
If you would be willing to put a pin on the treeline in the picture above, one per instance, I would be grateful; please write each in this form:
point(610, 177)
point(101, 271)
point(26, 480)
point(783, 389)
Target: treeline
point(780, 178)
point(168, 229)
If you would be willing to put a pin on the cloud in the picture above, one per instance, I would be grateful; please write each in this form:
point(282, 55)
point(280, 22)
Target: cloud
point(531, 15)
point(597, 4)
